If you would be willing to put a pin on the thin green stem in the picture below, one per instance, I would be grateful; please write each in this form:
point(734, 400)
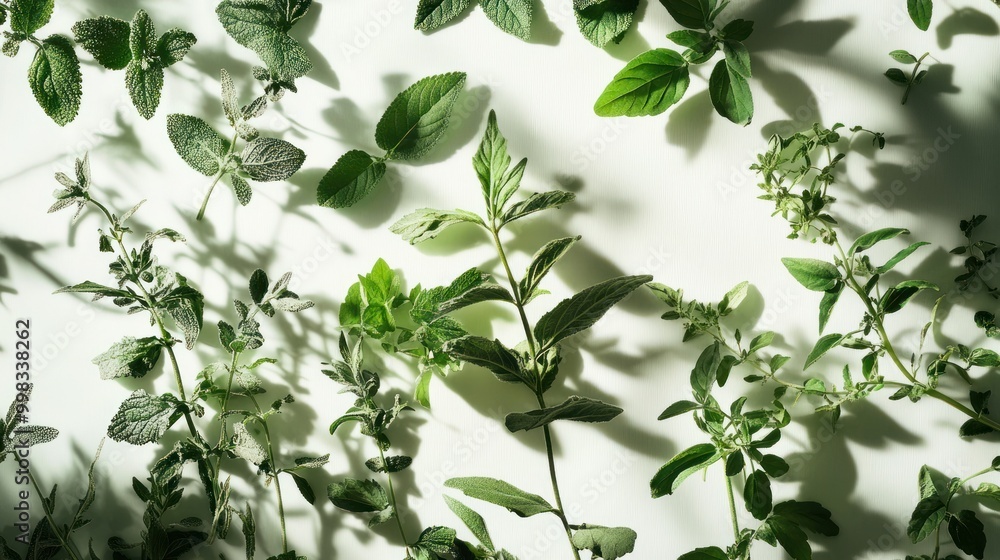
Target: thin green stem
point(555, 481)
point(392, 500)
point(64, 541)
point(208, 195)
point(732, 508)
point(277, 481)
point(913, 77)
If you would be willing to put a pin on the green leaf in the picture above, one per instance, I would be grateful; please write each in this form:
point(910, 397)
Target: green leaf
point(897, 76)
point(577, 409)
point(472, 520)
point(439, 540)
point(142, 33)
point(502, 494)
point(774, 466)
point(737, 58)
point(242, 189)
point(899, 257)
point(757, 494)
point(693, 14)
point(174, 45)
point(28, 16)
point(967, 532)
point(246, 447)
point(143, 418)
point(738, 30)
point(709, 553)
point(811, 516)
point(263, 28)
point(926, 518)
point(678, 408)
point(198, 144)
point(536, 203)
point(432, 14)
point(869, 240)
point(351, 179)
point(55, 79)
point(129, 358)
point(490, 354)
point(271, 159)
point(513, 16)
point(89, 287)
point(897, 297)
point(427, 223)
point(815, 275)
point(106, 38)
point(358, 496)
point(826, 305)
point(730, 93)
point(683, 465)
point(704, 374)
point(903, 56)
point(648, 85)
point(604, 21)
point(791, 538)
point(761, 341)
point(580, 312)
point(542, 262)
point(492, 165)
point(417, 119)
point(609, 543)
point(823, 345)
point(144, 81)
point(921, 12)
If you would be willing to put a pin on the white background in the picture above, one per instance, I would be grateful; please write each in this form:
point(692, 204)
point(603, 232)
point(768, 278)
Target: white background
point(668, 195)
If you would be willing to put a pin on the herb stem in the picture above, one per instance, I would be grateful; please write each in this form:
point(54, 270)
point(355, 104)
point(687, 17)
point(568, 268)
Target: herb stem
point(555, 481)
point(732, 508)
point(65, 541)
point(277, 481)
point(392, 500)
point(208, 194)
point(913, 77)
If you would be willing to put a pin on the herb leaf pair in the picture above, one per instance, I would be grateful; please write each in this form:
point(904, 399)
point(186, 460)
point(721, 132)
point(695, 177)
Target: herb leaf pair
point(896, 76)
point(655, 80)
point(414, 122)
point(512, 16)
point(133, 46)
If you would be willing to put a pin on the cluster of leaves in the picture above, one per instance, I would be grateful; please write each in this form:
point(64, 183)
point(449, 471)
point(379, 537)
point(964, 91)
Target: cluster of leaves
point(263, 26)
point(657, 79)
point(979, 255)
point(174, 305)
point(414, 122)
point(534, 362)
point(370, 496)
point(208, 152)
point(896, 76)
point(133, 46)
point(415, 324)
point(512, 16)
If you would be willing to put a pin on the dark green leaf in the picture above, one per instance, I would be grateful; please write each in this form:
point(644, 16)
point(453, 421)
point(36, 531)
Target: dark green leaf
point(472, 520)
point(144, 81)
point(490, 354)
point(967, 532)
point(926, 518)
point(577, 409)
point(678, 408)
point(55, 79)
point(106, 38)
point(432, 14)
point(358, 496)
point(731, 93)
point(704, 374)
point(271, 159)
point(693, 14)
point(811, 516)
point(648, 85)
point(536, 203)
point(868, 240)
point(757, 494)
point(602, 22)
point(683, 465)
point(823, 345)
point(581, 311)
point(418, 117)
point(921, 12)
point(351, 179)
point(28, 16)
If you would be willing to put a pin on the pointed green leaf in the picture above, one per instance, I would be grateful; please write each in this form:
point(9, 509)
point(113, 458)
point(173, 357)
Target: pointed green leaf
point(921, 12)
point(502, 494)
point(351, 179)
point(55, 79)
point(815, 275)
point(106, 38)
point(577, 409)
point(417, 118)
point(426, 223)
point(144, 81)
point(432, 14)
point(604, 21)
point(581, 311)
point(271, 159)
point(198, 144)
point(143, 418)
point(731, 94)
point(513, 16)
point(129, 358)
point(648, 85)
point(683, 465)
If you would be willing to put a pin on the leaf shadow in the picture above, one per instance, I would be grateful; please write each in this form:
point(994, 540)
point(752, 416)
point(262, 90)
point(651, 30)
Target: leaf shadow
point(965, 21)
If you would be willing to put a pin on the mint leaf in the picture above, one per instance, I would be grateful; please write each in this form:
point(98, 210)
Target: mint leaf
point(418, 117)
point(730, 92)
point(536, 203)
point(144, 81)
point(581, 311)
point(242, 189)
point(198, 144)
point(271, 159)
point(502, 494)
point(144, 418)
point(815, 275)
point(489, 354)
point(921, 12)
point(55, 79)
point(512, 16)
point(684, 464)
point(427, 223)
point(359, 496)
point(263, 28)
point(174, 45)
point(107, 39)
point(129, 358)
point(492, 165)
point(142, 33)
point(437, 540)
point(609, 543)
point(577, 409)
point(602, 22)
point(648, 85)
point(542, 262)
point(28, 16)
point(432, 14)
point(352, 178)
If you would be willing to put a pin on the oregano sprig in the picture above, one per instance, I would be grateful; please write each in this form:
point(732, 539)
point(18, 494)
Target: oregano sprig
point(414, 122)
point(206, 151)
point(898, 77)
point(535, 362)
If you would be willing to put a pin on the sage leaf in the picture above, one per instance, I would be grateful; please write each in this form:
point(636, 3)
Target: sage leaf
point(536, 203)
point(271, 159)
point(426, 223)
point(609, 543)
point(106, 39)
point(417, 118)
point(648, 85)
point(352, 178)
point(55, 79)
point(472, 520)
point(577, 409)
point(501, 493)
point(130, 357)
point(198, 144)
point(144, 418)
point(604, 21)
point(432, 14)
point(684, 464)
point(580, 312)
point(512, 16)
point(173, 46)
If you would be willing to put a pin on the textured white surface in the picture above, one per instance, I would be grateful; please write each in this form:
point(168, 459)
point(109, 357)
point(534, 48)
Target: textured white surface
point(669, 195)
